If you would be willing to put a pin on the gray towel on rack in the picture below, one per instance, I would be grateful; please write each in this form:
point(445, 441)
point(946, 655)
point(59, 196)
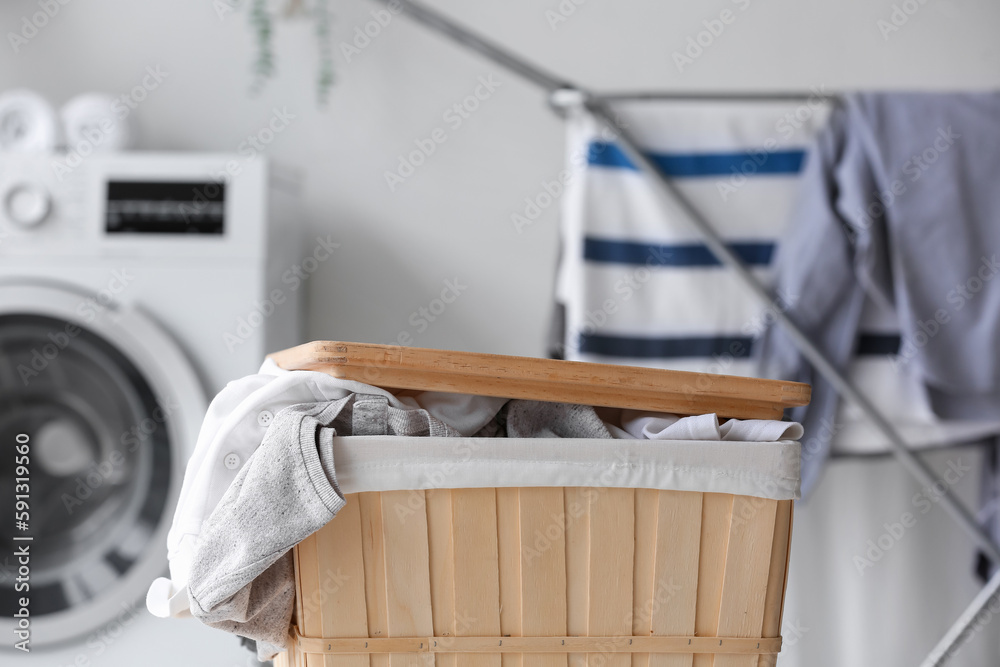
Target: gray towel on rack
point(897, 203)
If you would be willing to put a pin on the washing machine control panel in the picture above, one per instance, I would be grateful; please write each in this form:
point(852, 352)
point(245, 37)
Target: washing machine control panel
point(136, 205)
point(35, 207)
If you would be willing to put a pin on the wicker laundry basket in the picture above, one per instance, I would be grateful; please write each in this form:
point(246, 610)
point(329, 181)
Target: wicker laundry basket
point(551, 576)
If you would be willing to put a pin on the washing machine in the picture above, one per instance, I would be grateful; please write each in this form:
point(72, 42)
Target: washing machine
point(133, 286)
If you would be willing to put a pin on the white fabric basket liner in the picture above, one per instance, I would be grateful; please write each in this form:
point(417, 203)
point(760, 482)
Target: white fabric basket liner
point(398, 463)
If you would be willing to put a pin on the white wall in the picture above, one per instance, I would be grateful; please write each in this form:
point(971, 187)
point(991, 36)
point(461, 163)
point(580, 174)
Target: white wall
point(451, 219)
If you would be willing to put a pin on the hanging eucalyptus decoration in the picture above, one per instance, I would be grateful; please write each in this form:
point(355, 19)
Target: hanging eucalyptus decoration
point(262, 24)
point(324, 80)
point(263, 64)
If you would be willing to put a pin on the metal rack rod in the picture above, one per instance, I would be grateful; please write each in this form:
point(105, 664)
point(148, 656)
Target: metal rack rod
point(709, 96)
point(550, 82)
point(597, 106)
point(958, 633)
point(492, 51)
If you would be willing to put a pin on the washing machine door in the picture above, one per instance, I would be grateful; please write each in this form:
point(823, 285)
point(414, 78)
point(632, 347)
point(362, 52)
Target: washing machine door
point(109, 407)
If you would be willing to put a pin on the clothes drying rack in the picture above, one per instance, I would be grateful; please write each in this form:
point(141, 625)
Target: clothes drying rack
point(564, 94)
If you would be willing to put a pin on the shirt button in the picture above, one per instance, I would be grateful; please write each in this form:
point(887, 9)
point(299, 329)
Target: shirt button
point(264, 417)
point(232, 461)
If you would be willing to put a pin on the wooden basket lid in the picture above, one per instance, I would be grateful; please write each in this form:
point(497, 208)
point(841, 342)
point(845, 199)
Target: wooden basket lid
point(606, 385)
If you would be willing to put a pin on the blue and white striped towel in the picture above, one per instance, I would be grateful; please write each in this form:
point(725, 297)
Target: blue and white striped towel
point(638, 286)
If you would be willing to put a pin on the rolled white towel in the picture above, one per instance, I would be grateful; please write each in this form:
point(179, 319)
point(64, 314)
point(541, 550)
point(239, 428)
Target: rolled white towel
point(27, 123)
point(89, 119)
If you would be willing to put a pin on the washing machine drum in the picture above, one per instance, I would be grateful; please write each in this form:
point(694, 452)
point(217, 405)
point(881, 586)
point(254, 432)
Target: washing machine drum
point(104, 469)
